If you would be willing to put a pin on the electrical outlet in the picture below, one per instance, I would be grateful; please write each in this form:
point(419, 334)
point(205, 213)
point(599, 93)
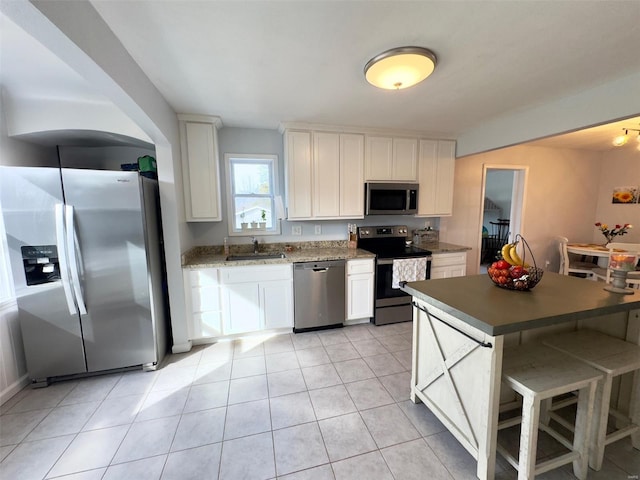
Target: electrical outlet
point(318, 229)
point(296, 230)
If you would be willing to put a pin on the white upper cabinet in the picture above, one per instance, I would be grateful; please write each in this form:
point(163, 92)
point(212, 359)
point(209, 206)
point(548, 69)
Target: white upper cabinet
point(200, 167)
point(391, 159)
point(298, 173)
point(324, 175)
point(351, 175)
point(436, 171)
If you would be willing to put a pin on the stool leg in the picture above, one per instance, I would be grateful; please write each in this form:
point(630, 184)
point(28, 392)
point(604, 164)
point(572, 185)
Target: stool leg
point(634, 408)
point(528, 437)
point(545, 407)
point(583, 425)
point(600, 420)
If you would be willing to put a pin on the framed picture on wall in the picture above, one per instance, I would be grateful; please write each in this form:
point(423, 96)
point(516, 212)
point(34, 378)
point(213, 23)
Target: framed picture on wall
point(625, 195)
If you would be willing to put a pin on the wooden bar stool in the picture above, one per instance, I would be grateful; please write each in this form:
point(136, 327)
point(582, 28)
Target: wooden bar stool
point(537, 373)
point(612, 357)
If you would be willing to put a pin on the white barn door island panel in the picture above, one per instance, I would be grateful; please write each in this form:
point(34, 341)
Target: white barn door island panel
point(456, 372)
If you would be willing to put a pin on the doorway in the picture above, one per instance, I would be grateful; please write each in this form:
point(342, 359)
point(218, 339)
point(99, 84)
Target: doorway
point(503, 189)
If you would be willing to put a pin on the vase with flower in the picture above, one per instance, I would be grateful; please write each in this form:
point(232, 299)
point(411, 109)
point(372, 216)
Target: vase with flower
point(611, 233)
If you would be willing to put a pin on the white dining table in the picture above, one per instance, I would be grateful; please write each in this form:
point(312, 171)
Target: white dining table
point(591, 250)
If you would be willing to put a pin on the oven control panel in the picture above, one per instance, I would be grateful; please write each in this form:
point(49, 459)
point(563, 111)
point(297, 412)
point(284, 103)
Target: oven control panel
point(383, 231)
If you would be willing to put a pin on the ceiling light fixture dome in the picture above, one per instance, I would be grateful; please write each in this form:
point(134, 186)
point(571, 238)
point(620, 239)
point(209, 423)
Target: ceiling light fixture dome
point(400, 67)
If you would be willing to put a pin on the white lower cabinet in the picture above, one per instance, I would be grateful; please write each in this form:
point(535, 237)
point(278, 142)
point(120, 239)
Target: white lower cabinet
point(242, 308)
point(276, 300)
point(233, 300)
point(360, 289)
point(447, 265)
point(257, 298)
point(204, 308)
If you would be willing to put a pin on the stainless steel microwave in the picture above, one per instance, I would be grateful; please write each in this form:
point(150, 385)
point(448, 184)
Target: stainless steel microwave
point(391, 198)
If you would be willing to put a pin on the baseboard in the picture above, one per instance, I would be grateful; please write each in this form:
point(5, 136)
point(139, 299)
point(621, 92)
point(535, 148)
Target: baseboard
point(182, 347)
point(14, 388)
point(357, 321)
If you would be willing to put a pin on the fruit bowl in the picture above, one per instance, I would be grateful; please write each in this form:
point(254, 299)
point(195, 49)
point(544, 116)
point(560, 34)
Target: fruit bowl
point(515, 279)
point(512, 272)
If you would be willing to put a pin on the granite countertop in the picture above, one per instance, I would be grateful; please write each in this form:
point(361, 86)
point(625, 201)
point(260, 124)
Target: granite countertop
point(213, 256)
point(441, 247)
point(556, 299)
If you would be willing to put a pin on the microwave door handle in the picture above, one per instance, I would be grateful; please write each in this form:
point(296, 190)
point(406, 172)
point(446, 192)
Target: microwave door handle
point(62, 258)
point(74, 249)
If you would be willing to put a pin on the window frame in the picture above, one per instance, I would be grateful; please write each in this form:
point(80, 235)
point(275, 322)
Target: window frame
point(230, 196)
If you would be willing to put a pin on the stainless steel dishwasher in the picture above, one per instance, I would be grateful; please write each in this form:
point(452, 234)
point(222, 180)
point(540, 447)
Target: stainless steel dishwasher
point(319, 294)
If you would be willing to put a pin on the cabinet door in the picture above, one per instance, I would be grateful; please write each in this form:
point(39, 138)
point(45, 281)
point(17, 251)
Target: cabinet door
point(299, 174)
point(405, 159)
point(242, 308)
point(436, 171)
point(379, 158)
point(360, 296)
point(207, 324)
point(200, 171)
point(326, 170)
point(276, 302)
point(351, 175)
point(439, 272)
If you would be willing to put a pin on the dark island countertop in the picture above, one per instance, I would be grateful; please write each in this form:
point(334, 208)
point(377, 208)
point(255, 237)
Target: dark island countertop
point(496, 311)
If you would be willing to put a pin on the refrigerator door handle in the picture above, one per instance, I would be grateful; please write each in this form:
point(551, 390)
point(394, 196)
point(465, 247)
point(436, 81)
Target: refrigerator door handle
point(73, 259)
point(62, 258)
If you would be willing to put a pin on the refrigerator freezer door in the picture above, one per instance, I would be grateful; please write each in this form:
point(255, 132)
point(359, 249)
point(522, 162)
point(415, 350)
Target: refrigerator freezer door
point(112, 263)
point(51, 334)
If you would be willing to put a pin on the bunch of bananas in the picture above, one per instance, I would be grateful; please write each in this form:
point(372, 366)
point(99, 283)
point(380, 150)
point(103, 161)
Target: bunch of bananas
point(511, 256)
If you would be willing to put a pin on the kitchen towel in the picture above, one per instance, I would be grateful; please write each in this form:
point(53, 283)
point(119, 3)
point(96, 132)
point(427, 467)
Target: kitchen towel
point(408, 270)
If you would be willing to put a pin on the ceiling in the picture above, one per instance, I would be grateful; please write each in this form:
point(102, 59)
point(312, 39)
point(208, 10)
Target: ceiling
point(260, 63)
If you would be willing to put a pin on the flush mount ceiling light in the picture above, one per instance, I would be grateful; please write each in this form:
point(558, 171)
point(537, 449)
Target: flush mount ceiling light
point(620, 140)
point(400, 67)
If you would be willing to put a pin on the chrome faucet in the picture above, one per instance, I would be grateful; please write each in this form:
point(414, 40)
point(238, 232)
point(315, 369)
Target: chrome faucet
point(254, 240)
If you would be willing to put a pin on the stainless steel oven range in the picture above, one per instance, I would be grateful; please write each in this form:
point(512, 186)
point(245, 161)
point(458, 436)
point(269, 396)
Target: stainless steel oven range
point(388, 243)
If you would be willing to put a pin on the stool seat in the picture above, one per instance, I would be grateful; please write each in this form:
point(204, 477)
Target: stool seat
point(540, 369)
point(606, 353)
point(613, 357)
point(538, 373)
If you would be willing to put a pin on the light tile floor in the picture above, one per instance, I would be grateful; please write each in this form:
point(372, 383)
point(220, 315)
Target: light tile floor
point(327, 405)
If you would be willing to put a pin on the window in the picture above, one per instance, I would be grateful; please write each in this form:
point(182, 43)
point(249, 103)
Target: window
point(252, 189)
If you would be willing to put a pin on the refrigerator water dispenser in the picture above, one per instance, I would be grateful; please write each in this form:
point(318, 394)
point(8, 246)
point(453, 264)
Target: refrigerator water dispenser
point(40, 264)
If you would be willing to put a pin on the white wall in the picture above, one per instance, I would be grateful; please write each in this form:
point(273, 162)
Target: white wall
point(620, 168)
point(559, 198)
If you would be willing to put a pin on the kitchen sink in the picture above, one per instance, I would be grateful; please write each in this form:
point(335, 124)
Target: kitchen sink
point(256, 256)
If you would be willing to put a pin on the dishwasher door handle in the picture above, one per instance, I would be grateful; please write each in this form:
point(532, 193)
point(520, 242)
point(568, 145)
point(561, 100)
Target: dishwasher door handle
point(320, 270)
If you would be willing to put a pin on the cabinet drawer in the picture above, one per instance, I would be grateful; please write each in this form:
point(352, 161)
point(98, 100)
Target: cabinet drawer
point(204, 299)
point(256, 274)
point(359, 266)
point(444, 259)
point(203, 277)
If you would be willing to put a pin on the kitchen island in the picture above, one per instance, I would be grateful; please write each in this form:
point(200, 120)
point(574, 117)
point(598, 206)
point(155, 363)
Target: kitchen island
point(459, 330)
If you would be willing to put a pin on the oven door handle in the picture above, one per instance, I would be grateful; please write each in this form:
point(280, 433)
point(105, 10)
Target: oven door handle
point(389, 261)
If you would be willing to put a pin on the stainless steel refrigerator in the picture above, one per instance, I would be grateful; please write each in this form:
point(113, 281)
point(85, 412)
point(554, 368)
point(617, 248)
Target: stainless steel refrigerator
point(86, 255)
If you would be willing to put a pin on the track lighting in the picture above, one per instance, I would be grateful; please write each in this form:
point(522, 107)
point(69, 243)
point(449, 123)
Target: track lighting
point(621, 140)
